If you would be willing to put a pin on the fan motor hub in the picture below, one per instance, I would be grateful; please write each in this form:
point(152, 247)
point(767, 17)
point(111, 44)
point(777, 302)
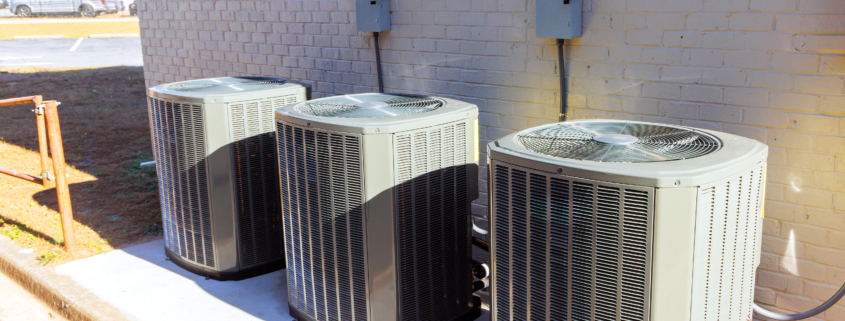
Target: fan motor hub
point(616, 139)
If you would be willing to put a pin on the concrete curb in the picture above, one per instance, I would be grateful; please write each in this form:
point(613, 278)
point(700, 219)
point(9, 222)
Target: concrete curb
point(114, 35)
point(60, 292)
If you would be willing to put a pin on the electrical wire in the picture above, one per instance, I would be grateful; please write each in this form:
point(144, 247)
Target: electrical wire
point(561, 62)
point(378, 64)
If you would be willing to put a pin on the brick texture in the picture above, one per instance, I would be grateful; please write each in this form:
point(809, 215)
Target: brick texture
point(772, 70)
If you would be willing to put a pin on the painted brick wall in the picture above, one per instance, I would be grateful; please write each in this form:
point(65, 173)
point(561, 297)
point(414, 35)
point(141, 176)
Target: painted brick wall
point(772, 70)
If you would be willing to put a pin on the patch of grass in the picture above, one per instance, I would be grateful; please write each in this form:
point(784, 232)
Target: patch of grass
point(14, 232)
point(153, 229)
point(138, 177)
point(48, 257)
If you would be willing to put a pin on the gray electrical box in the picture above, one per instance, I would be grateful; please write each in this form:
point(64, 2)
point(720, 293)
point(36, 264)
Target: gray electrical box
point(373, 15)
point(559, 19)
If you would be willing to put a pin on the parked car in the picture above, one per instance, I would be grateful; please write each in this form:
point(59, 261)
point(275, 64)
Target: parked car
point(133, 10)
point(112, 6)
point(30, 8)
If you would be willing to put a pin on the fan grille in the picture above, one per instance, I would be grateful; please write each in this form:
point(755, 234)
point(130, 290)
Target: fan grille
point(369, 106)
point(228, 84)
point(621, 142)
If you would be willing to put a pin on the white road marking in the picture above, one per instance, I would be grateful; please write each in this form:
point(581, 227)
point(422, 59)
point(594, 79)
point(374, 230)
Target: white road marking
point(29, 64)
point(76, 45)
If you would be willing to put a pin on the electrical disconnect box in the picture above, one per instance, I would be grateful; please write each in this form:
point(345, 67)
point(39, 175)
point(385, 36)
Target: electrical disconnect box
point(559, 19)
point(372, 15)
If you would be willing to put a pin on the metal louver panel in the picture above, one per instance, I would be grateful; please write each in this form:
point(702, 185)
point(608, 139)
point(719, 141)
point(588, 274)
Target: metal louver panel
point(179, 146)
point(322, 199)
point(726, 254)
point(433, 223)
point(257, 202)
point(569, 248)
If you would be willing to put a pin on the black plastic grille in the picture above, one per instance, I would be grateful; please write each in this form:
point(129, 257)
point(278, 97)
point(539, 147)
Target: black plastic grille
point(320, 175)
point(567, 248)
point(179, 146)
point(433, 220)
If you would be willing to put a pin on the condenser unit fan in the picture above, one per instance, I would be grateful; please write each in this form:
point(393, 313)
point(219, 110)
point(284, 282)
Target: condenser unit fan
point(622, 142)
point(624, 220)
point(376, 192)
point(225, 85)
point(215, 154)
point(369, 106)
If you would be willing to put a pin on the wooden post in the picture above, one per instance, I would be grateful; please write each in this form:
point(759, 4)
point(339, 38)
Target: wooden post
point(62, 192)
point(42, 139)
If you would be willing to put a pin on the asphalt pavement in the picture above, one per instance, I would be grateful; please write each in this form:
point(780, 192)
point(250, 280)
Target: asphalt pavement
point(71, 53)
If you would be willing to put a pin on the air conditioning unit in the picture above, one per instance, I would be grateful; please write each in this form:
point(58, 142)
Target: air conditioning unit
point(214, 147)
point(625, 220)
point(376, 196)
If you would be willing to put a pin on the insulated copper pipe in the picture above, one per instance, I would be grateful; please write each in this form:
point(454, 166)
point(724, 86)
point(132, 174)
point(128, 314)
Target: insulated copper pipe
point(62, 192)
point(20, 175)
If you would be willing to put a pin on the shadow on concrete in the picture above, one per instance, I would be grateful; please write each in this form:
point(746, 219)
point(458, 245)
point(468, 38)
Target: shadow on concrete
point(140, 281)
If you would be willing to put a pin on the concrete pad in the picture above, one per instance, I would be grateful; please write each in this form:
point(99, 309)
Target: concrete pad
point(141, 283)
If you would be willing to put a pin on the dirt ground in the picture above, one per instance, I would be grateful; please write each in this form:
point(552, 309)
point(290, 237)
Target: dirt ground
point(105, 130)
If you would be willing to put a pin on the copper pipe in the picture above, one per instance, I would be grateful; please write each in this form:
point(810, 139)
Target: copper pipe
point(62, 192)
point(42, 140)
point(20, 101)
point(20, 175)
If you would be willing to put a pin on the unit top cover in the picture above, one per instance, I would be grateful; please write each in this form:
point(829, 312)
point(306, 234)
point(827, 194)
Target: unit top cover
point(376, 112)
point(223, 89)
point(632, 152)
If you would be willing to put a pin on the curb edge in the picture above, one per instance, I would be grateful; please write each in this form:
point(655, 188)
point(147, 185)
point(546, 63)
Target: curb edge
point(60, 292)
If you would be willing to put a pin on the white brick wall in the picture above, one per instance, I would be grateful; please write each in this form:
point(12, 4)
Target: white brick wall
point(772, 70)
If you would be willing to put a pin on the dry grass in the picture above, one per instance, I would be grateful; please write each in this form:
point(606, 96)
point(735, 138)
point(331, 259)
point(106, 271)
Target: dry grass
point(69, 30)
point(106, 135)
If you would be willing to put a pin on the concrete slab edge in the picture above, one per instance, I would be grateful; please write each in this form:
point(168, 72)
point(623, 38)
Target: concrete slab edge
point(60, 292)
